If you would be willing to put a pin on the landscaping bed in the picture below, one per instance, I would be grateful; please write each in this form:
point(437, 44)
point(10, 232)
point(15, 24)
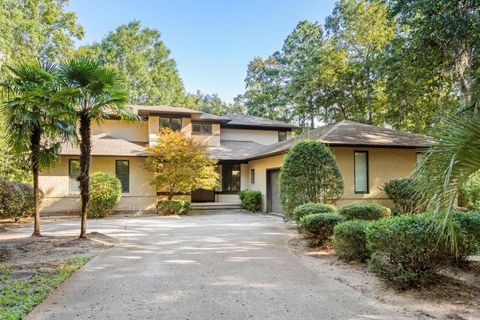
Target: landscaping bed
point(31, 268)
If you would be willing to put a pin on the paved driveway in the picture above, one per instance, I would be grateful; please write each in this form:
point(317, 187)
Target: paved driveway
point(218, 266)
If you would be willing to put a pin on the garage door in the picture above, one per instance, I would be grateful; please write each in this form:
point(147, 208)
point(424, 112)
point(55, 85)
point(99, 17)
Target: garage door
point(273, 194)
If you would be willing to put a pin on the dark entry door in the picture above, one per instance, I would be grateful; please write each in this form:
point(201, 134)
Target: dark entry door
point(273, 198)
point(202, 195)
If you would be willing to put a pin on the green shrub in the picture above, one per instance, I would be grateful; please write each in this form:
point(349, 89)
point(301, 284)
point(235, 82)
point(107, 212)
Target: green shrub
point(469, 195)
point(405, 252)
point(105, 193)
point(173, 207)
point(309, 174)
point(404, 196)
point(364, 211)
point(251, 199)
point(350, 240)
point(311, 208)
point(469, 233)
point(11, 200)
point(318, 228)
point(28, 207)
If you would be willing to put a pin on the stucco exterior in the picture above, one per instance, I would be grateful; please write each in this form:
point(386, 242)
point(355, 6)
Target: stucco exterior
point(136, 131)
point(259, 136)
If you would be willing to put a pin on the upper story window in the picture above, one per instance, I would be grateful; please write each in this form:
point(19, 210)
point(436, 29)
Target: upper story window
point(201, 128)
point(73, 173)
point(173, 123)
point(282, 136)
point(361, 171)
point(122, 171)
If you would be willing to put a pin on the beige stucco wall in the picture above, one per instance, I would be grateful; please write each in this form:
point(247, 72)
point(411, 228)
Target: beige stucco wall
point(211, 140)
point(259, 136)
point(55, 185)
point(129, 130)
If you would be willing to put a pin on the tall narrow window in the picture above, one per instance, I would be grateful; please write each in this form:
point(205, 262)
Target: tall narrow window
point(73, 173)
point(252, 175)
point(231, 177)
point(122, 171)
point(361, 171)
point(282, 136)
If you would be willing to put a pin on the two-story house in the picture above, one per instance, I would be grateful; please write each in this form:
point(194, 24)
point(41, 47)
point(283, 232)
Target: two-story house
point(249, 151)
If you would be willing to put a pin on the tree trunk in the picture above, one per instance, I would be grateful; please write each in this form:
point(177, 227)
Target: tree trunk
point(35, 149)
point(84, 178)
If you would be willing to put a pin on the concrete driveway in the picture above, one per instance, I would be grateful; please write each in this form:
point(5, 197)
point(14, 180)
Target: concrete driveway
point(218, 266)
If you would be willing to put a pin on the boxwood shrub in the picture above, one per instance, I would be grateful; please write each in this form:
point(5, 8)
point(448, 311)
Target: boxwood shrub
point(251, 199)
point(469, 227)
point(404, 196)
point(105, 193)
point(364, 211)
point(350, 240)
point(16, 200)
point(318, 228)
point(311, 208)
point(173, 207)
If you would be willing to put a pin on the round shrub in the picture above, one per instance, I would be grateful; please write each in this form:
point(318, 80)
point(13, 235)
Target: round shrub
point(350, 240)
point(404, 250)
point(469, 233)
point(364, 211)
point(28, 207)
point(11, 200)
point(309, 174)
point(105, 193)
point(173, 207)
point(251, 199)
point(404, 196)
point(311, 208)
point(318, 228)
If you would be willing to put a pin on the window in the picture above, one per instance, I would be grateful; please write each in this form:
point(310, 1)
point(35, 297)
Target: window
point(282, 136)
point(231, 177)
point(361, 171)
point(73, 173)
point(173, 123)
point(201, 128)
point(252, 175)
point(122, 171)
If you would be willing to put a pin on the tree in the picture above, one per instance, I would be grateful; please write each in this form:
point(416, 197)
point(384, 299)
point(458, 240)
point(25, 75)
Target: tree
point(139, 53)
point(95, 91)
point(36, 121)
point(309, 174)
point(180, 164)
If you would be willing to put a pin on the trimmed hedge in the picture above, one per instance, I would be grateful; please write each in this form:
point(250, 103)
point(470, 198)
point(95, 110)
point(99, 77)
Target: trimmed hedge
point(16, 200)
point(350, 240)
point(364, 211)
point(251, 199)
point(105, 193)
point(318, 228)
point(469, 195)
point(404, 196)
point(469, 226)
point(173, 207)
point(311, 208)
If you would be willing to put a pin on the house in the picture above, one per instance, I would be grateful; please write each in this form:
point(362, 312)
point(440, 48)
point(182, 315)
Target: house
point(249, 150)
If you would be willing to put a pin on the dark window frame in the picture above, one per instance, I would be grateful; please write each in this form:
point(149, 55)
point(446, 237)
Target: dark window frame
point(282, 139)
point(227, 178)
point(170, 122)
point(202, 132)
point(125, 189)
point(70, 177)
point(252, 175)
point(355, 172)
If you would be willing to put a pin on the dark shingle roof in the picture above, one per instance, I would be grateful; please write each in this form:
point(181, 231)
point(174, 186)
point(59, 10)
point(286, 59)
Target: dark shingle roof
point(252, 121)
point(210, 117)
point(350, 133)
point(234, 150)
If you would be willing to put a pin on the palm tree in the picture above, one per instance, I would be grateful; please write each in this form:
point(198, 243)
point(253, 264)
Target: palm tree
point(96, 92)
point(35, 119)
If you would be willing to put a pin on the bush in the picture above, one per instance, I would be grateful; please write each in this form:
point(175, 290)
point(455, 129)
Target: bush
point(309, 174)
point(105, 193)
point(318, 228)
point(311, 208)
point(469, 195)
point(173, 207)
point(469, 235)
point(350, 241)
point(251, 199)
point(404, 196)
point(405, 252)
point(11, 200)
point(364, 211)
point(28, 207)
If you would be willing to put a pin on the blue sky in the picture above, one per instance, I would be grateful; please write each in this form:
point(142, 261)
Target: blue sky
point(212, 41)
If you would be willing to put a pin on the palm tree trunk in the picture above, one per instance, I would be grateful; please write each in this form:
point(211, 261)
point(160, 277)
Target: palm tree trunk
point(84, 178)
point(35, 149)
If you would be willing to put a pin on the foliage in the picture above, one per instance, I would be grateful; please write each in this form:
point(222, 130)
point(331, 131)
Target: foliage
point(310, 167)
point(350, 241)
point(469, 230)
point(251, 199)
point(180, 164)
point(469, 193)
point(16, 200)
point(318, 228)
point(311, 208)
point(364, 211)
point(19, 296)
point(404, 195)
point(105, 193)
point(173, 207)
point(28, 206)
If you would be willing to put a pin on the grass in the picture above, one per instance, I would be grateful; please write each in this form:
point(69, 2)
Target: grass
point(19, 296)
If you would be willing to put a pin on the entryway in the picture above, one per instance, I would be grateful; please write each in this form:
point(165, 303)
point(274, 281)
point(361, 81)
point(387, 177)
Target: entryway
point(273, 191)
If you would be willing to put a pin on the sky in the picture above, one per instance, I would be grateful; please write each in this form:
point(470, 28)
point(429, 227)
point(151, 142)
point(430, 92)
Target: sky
point(212, 41)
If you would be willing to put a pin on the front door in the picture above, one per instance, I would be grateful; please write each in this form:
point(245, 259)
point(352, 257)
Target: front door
point(273, 194)
point(202, 195)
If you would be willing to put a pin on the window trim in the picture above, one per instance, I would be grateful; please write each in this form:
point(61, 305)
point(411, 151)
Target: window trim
point(70, 177)
point(169, 122)
point(286, 135)
point(355, 172)
point(252, 175)
point(201, 124)
point(128, 175)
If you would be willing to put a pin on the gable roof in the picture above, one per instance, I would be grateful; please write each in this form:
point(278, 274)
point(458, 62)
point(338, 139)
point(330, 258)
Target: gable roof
point(350, 133)
point(252, 121)
point(106, 145)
